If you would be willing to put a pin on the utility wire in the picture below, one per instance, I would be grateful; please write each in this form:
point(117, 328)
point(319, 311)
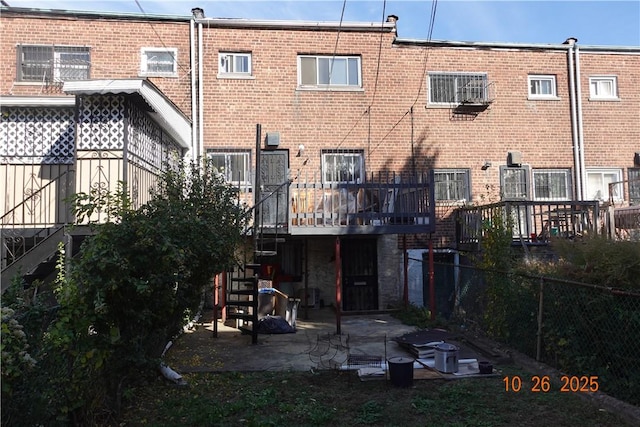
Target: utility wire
point(162, 41)
point(375, 86)
point(432, 19)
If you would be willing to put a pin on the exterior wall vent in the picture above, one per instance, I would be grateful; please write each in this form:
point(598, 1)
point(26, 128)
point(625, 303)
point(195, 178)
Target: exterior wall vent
point(514, 158)
point(273, 139)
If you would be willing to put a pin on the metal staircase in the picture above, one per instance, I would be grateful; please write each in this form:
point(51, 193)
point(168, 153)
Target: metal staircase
point(243, 289)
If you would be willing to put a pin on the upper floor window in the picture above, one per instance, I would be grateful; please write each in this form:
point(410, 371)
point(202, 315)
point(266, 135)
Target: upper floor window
point(551, 184)
point(52, 63)
point(542, 86)
point(598, 180)
point(634, 185)
point(234, 64)
point(514, 182)
point(339, 71)
point(458, 88)
point(452, 184)
point(159, 61)
point(603, 87)
point(342, 166)
point(234, 165)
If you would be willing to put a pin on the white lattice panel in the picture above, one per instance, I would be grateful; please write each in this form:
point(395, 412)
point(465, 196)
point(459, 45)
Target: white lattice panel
point(37, 136)
point(101, 123)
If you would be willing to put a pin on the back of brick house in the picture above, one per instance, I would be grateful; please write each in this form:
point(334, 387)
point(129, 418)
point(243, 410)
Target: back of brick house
point(348, 103)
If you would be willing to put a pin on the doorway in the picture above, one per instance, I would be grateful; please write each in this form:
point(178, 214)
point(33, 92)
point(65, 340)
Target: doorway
point(359, 274)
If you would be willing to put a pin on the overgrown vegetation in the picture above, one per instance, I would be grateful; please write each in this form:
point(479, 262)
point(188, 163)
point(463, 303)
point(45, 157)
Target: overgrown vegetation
point(586, 294)
point(339, 398)
point(117, 304)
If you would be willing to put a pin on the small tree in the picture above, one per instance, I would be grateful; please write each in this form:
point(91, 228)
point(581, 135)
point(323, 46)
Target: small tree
point(131, 287)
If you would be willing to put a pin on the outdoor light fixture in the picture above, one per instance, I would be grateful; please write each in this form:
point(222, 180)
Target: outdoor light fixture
point(300, 150)
point(198, 13)
point(486, 166)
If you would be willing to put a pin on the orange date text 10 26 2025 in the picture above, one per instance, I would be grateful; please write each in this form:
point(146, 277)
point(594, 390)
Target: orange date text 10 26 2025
point(542, 384)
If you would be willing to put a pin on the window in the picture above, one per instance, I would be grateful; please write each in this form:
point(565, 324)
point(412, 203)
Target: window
point(603, 87)
point(634, 185)
point(450, 88)
point(233, 165)
point(542, 86)
point(53, 63)
point(598, 180)
point(342, 166)
point(159, 62)
point(452, 184)
point(329, 71)
point(238, 64)
point(514, 183)
point(551, 184)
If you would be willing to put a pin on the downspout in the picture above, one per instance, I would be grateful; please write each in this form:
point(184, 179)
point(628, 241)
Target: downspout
point(200, 94)
point(574, 125)
point(194, 85)
point(583, 171)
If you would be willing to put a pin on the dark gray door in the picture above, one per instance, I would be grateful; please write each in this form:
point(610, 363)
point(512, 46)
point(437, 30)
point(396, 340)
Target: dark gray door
point(274, 169)
point(360, 274)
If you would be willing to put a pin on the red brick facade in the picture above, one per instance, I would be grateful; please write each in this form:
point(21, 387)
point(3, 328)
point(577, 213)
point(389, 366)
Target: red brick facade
point(388, 118)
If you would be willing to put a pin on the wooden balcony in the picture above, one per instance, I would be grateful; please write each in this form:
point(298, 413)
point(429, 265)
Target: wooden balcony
point(384, 204)
point(532, 223)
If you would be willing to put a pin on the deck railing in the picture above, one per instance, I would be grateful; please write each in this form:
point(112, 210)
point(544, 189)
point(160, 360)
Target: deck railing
point(384, 203)
point(531, 222)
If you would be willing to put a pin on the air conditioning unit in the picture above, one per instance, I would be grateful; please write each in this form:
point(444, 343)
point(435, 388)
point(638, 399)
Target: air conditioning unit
point(514, 158)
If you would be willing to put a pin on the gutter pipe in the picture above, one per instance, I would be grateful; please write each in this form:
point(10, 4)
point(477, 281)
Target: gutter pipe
point(574, 121)
point(583, 172)
point(200, 94)
point(194, 105)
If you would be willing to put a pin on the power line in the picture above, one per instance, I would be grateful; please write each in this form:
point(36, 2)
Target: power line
point(375, 86)
point(160, 38)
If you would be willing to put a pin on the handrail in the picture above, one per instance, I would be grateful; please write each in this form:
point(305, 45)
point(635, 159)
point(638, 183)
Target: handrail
point(32, 196)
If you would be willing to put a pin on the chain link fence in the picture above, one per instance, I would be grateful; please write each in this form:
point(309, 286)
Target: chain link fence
point(581, 329)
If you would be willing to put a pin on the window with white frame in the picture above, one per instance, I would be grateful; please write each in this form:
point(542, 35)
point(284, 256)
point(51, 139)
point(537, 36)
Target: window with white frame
point(552, 184)
point(234, 64)
point(514, 182)
point(452, 184)
point(159, 61)
point(53, 63)
point(329, 71)
point(603, 87)
point(234, 165)
point(598, 180)
point(542, 86)
point(342, 166)
point(458, 88)
point(634, 185)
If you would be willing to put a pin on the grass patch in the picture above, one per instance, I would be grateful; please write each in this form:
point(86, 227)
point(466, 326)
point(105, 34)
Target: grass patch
point(332, 398)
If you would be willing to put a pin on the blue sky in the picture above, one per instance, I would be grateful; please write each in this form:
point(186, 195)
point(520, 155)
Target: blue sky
point(606, 22)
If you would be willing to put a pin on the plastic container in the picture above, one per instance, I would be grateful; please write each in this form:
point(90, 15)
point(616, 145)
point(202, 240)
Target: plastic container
point(401, 371)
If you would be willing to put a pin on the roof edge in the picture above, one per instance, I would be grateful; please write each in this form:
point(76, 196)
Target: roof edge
point(168, 116)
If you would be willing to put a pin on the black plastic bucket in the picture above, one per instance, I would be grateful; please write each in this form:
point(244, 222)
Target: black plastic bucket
point(401, 371)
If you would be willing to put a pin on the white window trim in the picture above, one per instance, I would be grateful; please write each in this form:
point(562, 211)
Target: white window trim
point(602, 170)
point(351, 153)
point(332, 87)
point(144, 51)
point(546, 77)
point(235, 75)
point(596, 97)
point(567, 174)
point(467, 184)
point(247, 163)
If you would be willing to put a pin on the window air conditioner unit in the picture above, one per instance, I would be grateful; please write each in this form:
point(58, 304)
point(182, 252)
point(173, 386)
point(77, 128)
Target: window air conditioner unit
point(514, 158)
